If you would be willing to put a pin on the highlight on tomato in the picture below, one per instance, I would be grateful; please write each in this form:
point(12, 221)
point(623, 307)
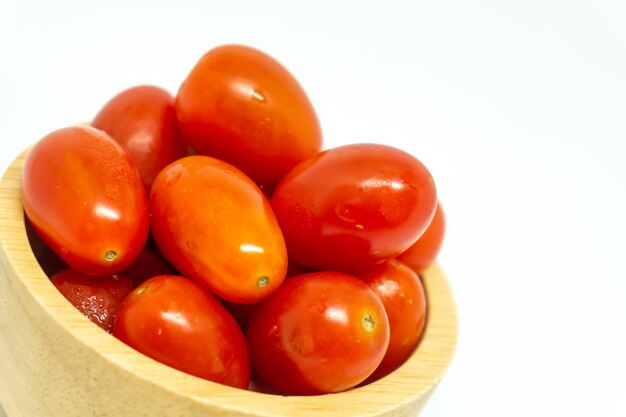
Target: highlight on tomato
point(354, 206)
point(318, 333)
point(98, 298)
point(175, 321)
point(240, 105)
point(83, 195)
point(213, 224)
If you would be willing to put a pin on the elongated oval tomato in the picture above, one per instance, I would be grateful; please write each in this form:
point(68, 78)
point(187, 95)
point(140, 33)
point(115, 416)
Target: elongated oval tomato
point(242, 106)
point(402, 294)
point(214, 225)
point(424, 252)
point(143, 120)
point(83, 194)
point(354, 206)
point(319, 333)
point(98, 298)
point(177, 322)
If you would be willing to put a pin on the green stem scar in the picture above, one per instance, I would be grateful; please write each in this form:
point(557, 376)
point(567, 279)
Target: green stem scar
point(110, 255)
point(368, 322)
point(262, 282)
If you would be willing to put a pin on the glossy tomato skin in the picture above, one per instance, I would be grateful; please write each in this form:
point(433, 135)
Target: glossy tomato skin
point(424, 252)
point(240, 105)
point(143, 120)
point(83, 194)
point(402, 294)
point(175, 321)
point(98, 298)
point(214, 225)
point(354, 206)
point(49, 261)
point(319, 333)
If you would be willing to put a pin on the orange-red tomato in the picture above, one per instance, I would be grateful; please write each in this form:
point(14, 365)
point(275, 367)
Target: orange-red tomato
point(318, 333)
point(143, 120)
point(354, 206)
point(402, 294)
point(84, 197)
point(424, 252)
point(214, 225)
point(242, 106)
point(177, 322)
point(98, 298)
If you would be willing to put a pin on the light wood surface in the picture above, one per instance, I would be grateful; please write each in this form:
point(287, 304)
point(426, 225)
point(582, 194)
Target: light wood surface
point(56, 363)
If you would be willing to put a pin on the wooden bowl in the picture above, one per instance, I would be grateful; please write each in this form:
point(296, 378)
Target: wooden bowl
point(55, 362)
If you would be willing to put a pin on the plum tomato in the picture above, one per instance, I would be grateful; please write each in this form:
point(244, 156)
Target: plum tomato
point(175, 321)
point(49, 261)
point(318, 333)
point(143, 120)
point(242, 106)
point(84, 196)
point(402, 294)
point(213, 224)
point(98, 298)
point(424, 252)
point(354, 206)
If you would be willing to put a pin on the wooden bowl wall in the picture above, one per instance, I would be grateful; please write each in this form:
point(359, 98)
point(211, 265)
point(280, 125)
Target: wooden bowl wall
point(55, 362)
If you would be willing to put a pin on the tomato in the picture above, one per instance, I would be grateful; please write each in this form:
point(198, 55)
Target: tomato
point(354, 206)
point(318, 333)
point(424, 252)
point(402, 294)
point(143, 120)
point(49, 261)
point(243, 313)
point(242, 106)
point(214, 225)
point(98, 298)
point(83, 194)
point(175, 321)
point(149, 264)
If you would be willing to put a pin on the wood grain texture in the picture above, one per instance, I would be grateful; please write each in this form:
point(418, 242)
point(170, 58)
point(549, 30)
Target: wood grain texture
point(55, 362)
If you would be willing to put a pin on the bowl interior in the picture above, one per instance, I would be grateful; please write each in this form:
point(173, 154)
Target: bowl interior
point(47, 332)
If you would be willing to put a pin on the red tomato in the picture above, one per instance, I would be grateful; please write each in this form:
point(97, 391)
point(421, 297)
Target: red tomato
point(319, 333)
point(242, 106)
point(98, 298)
point(215, 226)
point(402, 294)
point(143, 120)
point(424, 252)
point(49, 261)
point(84, 197)
point(177, 322)
point(149, 264)
point(354, 206)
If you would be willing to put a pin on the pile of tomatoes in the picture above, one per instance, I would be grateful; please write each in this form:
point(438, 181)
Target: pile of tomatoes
point(211, 232)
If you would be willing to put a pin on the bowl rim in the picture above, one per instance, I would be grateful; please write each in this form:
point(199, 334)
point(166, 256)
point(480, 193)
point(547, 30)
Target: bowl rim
point(411, 382)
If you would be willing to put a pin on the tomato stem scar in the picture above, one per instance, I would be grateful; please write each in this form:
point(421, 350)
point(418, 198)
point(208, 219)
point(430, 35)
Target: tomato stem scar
point(262, 282)
point(368, 323)
point(110, 255)
point(141, 290)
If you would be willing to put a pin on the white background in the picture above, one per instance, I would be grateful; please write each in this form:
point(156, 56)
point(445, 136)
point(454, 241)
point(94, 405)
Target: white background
point(517, 107)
